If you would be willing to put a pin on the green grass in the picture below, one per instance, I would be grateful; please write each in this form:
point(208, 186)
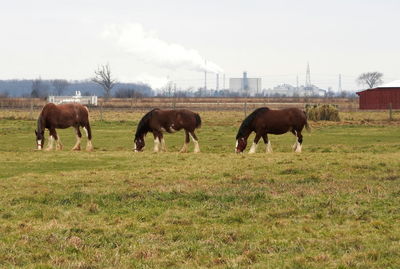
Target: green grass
point(336, 205)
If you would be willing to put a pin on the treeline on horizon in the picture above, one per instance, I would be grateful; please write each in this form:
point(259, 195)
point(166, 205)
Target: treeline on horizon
point(40, 88)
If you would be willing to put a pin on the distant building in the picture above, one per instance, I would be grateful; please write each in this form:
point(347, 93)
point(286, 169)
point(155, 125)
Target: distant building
point(251, 86)
point(381, 97)
point(311, 91)
point(288, 90)
point(282, 90)
point(77, 98)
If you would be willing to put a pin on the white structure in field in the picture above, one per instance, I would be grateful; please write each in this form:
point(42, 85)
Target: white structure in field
point(248, 86)
point(77, 98)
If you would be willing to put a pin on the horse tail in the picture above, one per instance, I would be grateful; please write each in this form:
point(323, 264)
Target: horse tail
point(198, 120)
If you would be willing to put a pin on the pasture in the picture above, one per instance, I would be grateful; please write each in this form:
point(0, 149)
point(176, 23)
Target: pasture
point(336, 205)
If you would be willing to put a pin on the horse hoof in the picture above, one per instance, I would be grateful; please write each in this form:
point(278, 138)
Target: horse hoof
point(76, 149)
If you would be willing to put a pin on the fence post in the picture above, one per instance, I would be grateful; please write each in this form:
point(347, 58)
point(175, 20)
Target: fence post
point(31, 110)
point(101, 111)
point(245, 108)
point(390, 112)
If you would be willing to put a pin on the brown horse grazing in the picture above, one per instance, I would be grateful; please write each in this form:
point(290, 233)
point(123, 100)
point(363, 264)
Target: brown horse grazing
point(61, 117)
point(157, 121)
point(265, 121)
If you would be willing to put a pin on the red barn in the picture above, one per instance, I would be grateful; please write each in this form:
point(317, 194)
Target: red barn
point(381, 97)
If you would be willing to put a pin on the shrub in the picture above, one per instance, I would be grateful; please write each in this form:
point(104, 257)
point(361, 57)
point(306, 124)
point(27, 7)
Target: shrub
point(318, 112)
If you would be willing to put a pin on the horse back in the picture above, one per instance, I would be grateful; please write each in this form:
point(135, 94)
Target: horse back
point(282, 121)
point(64, 115)
point(175, 120)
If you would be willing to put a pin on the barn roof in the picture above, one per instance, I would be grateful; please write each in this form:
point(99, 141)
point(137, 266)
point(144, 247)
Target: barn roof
point(393, 84)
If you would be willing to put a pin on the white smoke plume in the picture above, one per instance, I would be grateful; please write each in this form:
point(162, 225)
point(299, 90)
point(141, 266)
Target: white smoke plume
point(147, 47)
point(153, 81)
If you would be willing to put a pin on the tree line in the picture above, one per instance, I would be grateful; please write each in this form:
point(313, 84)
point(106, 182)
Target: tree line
point(41, 88)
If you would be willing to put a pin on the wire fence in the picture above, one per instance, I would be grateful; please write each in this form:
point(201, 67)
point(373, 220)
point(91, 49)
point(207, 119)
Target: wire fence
point(238, 103)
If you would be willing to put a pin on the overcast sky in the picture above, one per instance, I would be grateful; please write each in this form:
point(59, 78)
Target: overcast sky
point(154, 40)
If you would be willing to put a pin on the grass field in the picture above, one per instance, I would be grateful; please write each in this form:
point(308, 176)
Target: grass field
point(336, 205)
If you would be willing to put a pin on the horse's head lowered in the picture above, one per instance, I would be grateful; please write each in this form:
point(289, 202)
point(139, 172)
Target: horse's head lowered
point(39, 139)
point(139, 143)
point(241, 144)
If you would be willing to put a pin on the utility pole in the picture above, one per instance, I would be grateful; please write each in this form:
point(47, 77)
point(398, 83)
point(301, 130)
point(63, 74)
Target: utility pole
point(340, 84)
point(205, 75)
point(245, 86)
point(308, 81)
point(174, 97)
point(308, 76)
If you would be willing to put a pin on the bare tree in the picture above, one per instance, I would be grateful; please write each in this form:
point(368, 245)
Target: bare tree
point(39, 88)
point(60, 85)
point(104, 79)
point(127, 93)
point(4, 94)
point(371, 79)
point(330, 93)
point(343, 94)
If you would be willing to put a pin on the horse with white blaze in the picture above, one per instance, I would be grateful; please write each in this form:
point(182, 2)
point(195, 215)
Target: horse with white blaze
point(264, 121)
point(63, 116)
point(158, 121)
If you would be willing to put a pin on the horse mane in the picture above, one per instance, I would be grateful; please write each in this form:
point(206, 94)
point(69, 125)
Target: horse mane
point(247, 121)
point(39, 124)
point(143, 126)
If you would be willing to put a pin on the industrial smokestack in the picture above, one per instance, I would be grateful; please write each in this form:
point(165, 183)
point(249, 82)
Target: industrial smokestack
point(224, 82)
point(245, 81)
